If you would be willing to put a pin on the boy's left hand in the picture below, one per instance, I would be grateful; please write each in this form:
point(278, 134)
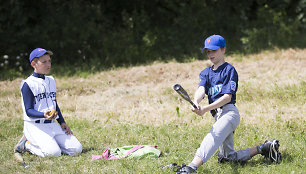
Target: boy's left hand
point(66, 129)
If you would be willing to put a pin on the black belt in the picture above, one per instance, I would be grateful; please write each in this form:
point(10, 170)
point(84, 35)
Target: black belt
point(215, 111)
point(46, 121)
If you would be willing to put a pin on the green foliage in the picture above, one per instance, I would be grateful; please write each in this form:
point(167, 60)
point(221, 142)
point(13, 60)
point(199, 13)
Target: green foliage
point(95, 35)
point(275, 25)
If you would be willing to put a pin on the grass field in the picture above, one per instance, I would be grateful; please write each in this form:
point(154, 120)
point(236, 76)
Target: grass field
point(136, 105)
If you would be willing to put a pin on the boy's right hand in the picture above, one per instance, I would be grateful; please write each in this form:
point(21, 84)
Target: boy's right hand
point(194, 109)
point(196, 103)
point(52, 114)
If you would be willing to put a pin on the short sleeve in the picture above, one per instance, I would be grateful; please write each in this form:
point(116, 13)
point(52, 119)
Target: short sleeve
point(230, 83)
point(203, 78)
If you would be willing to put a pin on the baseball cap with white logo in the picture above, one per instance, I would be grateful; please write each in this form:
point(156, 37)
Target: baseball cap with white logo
point(214, 42)
point(37, 52)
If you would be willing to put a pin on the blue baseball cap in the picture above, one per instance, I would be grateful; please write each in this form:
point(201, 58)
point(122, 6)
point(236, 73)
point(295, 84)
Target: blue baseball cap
point(214, 42)
point(37, 52)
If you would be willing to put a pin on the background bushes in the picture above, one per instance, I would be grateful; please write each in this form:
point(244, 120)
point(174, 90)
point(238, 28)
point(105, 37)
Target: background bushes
point(95, 34)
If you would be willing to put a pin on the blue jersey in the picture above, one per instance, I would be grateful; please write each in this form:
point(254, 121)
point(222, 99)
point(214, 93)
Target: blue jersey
point(218, 82)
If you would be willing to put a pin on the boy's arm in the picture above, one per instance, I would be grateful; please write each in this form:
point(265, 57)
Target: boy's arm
point(62, 122)
point(199, 95)
point(226, 98)
point(60, 119)
point(28, 100)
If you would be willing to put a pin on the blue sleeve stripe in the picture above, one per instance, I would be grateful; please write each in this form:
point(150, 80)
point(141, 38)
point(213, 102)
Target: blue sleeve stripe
point(60, 120)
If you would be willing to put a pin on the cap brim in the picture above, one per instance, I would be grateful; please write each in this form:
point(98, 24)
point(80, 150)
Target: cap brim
point(211, 47)
point(49, 52)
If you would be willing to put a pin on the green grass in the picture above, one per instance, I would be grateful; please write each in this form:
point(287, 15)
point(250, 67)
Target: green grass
point(177, 142)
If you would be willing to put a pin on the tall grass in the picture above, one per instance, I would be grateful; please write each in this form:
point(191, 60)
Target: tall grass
point(137, 105)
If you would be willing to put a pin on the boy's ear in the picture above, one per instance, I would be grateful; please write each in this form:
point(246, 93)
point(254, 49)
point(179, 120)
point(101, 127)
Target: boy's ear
point(223, 49)
point(33, 63)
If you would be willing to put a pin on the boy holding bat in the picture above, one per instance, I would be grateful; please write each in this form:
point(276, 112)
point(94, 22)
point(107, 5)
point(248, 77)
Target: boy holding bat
point(220, 82)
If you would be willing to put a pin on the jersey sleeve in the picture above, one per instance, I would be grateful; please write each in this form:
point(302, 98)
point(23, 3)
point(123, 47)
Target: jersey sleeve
point(230, 83)
point(28, 100)
point(60, 119)
point(204, 79)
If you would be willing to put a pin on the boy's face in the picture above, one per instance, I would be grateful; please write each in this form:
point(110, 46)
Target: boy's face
point(42, 65)
point(215, 56)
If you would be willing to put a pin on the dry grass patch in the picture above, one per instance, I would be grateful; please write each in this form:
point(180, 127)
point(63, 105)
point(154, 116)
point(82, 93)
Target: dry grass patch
point(143, 94)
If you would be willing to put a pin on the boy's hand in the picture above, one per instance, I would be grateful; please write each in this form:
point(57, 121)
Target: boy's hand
point(200, 111)
point(66, 129)
point(194, 109)
point(197, 111)
point(52, 114)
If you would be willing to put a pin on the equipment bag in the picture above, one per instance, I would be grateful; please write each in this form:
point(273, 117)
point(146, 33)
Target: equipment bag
point(134, 151)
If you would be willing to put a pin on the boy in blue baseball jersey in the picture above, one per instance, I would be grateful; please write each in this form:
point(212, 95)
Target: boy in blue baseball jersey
point(42, 136)
point(220, 83)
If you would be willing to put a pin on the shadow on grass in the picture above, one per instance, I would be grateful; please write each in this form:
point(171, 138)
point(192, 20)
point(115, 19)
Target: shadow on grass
point(88, 149)
point(286, 157)
point(84, 151)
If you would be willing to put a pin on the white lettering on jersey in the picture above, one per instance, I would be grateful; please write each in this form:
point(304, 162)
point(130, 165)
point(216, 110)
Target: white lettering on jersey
point(215, 89)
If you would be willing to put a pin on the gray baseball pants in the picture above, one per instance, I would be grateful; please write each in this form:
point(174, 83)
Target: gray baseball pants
point(221, 136)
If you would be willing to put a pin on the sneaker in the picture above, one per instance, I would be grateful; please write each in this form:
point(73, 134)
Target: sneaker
point(20, 146)
point(222, 159)
point(183, 170)
point(270, 150)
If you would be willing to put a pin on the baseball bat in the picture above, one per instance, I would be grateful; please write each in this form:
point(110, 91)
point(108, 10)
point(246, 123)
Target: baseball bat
point(20, 159)
point(181, 91)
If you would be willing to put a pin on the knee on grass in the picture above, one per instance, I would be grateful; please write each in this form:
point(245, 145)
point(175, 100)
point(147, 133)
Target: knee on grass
point(52, 152)
point(75, 151)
